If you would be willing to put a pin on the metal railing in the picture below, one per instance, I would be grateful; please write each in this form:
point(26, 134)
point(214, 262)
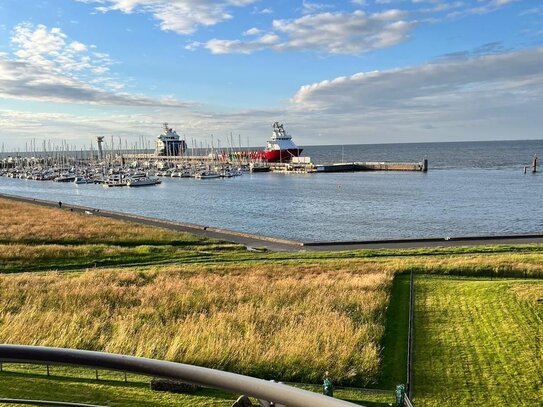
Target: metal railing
point(231, 382)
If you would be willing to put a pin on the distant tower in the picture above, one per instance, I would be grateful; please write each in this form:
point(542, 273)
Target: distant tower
point(100, 140)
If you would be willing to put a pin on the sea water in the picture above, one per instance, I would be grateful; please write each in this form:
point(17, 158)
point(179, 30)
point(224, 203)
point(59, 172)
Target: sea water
point(471, 188)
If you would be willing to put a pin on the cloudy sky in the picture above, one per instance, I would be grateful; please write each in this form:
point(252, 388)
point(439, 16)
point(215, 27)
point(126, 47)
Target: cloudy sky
point(335, 72)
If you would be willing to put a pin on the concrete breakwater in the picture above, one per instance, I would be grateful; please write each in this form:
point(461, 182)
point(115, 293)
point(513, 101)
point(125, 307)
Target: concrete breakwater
point(373, 166)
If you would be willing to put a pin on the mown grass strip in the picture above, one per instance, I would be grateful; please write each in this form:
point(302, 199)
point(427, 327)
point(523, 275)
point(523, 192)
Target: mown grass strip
point(394, 344)
point(476, 342)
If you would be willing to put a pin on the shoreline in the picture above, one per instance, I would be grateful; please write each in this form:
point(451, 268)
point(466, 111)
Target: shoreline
point(251, 241)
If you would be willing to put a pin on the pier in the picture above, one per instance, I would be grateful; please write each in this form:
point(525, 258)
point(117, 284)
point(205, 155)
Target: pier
point(373, 166)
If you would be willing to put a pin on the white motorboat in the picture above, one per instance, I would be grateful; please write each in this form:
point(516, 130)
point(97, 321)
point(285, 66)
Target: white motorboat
point(143, 181)
point(207, 175)
point(82, 180)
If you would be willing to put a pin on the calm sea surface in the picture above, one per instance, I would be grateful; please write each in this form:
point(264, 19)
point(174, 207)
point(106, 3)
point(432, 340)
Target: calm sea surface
point(471, 189)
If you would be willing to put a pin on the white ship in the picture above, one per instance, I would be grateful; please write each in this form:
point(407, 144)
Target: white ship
point(169, 143)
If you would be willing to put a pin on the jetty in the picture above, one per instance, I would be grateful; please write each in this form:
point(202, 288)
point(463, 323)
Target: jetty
point(373, 166)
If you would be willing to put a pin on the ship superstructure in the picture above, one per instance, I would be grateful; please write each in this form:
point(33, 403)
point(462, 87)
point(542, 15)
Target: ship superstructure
point(280, 147)
point(169, 143)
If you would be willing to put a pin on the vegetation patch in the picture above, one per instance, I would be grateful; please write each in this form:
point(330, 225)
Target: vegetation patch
point(73, 280)
point(478, 342)
point(281, 323)
point(34, 224)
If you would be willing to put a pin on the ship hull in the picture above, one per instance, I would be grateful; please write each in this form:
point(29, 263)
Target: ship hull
point(282, 155)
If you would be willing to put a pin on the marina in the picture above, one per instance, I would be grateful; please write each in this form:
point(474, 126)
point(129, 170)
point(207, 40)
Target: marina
point(171, 158)
point(471, 189)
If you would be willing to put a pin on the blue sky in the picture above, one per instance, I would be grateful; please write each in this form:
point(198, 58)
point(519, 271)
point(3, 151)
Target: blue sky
point(361, 71)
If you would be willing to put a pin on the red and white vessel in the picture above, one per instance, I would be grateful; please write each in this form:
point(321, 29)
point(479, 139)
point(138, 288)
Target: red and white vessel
point(280, 147)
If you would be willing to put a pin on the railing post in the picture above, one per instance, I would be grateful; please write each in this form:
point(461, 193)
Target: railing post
point(410, 332)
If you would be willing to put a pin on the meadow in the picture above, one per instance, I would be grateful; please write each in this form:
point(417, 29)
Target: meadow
point(478, 342)
point(254, 320)
point(34, 224)
point(81, 281)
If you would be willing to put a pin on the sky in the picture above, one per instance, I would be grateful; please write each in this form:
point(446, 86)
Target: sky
point(334, 72)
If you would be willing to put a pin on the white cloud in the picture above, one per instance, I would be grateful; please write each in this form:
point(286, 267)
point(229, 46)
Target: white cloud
point(488, 97)
point(266, 10)
point(48, 67)
point(48, 49)
point(193, 45)
point(335, 33)
point(483, 7)
point(78, 46)
point(252, 31)
point(514, 75)
point(180, 16)
point(241, 47)
point(461, 7)
point(309, 7)
point(20, 80)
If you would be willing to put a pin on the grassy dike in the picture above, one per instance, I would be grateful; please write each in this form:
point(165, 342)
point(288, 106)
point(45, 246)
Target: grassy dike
point(80, 281)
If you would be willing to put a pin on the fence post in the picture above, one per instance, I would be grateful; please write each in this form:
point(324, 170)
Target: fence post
point(96, 371)
point(47, 366)
point(410, 331)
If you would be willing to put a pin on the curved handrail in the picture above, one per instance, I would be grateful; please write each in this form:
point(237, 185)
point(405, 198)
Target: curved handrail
point(232, 382)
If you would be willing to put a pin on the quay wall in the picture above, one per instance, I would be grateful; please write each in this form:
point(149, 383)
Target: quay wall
point(372, 166)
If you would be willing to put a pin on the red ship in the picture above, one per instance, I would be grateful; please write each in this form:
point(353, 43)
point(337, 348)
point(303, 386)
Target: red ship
point(280, 147)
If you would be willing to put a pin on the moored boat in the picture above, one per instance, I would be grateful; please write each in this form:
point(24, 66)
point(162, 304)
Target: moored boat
point(207, 175)
point(65, 178)
point(82, 180)
point(280, 147)
point(143, 181)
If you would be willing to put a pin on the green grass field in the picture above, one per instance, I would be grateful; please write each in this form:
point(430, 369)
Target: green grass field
point(81, 281)
point(478, 342)
point(80, 385)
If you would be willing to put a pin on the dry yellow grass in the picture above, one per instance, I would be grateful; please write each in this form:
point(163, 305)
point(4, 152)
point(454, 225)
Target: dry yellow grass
point(285, 323)
point(33, 223)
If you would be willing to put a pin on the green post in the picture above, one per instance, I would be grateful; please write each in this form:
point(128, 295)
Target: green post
point(400, 394)
point(328, 385)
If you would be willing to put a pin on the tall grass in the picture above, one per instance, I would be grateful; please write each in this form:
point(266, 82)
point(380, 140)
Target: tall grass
point(270, 322)
point(24, 222)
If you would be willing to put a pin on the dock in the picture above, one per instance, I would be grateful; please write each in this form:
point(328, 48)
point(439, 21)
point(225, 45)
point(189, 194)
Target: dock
point(373, 166)
point(303, 165)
